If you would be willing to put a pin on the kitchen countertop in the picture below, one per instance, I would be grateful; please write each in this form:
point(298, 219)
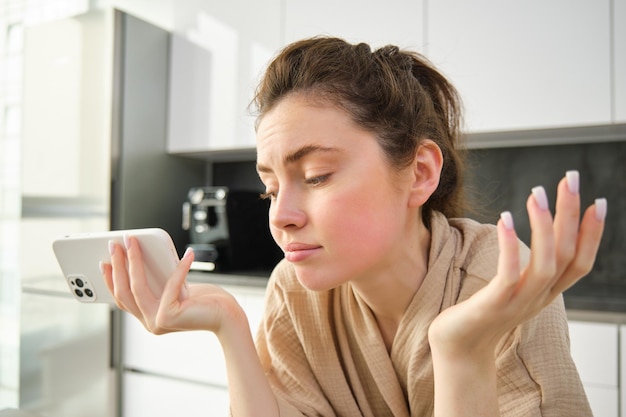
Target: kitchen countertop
point(599, 297)
point(245, 279)
point(587, 303)
point(592, 303)
point(612, 304)
point(55, 285)
point(596, 316)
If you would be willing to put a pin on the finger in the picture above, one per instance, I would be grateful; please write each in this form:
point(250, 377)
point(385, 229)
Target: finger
point(107, 275)
point(541, 270)
point(566, 220)
point(588, 242)
point(120, 280)
point(175, 292)
point(176, 288)
point(145, 299)
point(508, 275)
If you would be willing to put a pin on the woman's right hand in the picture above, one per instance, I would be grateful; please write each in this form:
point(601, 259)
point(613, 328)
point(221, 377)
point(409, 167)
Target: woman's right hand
point(195, 307)
point(179, 307)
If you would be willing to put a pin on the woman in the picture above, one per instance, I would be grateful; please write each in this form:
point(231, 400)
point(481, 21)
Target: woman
point(387, 303)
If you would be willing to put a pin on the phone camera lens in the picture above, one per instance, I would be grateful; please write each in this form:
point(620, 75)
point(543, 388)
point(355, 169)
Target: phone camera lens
point(78, 292)
point(88, 293)
point(79, 283)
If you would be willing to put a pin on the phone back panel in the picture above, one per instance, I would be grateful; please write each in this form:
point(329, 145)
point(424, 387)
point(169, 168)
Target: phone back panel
point(79, 257)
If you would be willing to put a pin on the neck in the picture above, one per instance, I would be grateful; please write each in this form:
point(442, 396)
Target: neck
point(389, 294)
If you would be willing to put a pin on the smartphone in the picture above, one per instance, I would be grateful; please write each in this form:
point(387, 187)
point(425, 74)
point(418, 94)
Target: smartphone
point(79, 256)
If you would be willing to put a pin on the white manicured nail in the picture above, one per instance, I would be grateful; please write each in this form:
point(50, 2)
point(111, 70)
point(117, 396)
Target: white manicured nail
point(601, 208)
point(111, 247)
point(507, 219)
point(540, 197)
point(101, 266)
point(573, 181)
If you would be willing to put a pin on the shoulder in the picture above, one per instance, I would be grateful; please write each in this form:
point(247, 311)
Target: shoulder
point(480, 244)
point(477, 248)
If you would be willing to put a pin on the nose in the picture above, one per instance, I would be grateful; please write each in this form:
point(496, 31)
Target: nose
point(286, 212)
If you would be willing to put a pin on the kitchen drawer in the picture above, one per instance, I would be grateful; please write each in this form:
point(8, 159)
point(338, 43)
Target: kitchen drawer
point(195, 356)
point(594, 348)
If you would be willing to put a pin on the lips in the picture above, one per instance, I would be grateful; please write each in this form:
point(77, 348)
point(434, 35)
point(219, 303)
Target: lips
point(298, 252)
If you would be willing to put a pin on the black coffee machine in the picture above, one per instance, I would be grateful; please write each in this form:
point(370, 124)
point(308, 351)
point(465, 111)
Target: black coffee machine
point(229, 230)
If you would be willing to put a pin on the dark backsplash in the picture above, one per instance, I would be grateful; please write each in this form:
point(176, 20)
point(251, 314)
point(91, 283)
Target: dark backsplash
point(240, 175)
point(501, 179)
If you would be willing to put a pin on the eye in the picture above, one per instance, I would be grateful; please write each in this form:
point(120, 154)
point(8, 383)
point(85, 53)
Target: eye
point(318, 180)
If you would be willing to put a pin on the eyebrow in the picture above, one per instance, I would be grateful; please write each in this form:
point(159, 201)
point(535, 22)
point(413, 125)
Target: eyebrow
point(297, 155)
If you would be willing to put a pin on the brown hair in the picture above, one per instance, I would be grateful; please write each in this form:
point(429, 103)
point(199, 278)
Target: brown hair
point(395, 94)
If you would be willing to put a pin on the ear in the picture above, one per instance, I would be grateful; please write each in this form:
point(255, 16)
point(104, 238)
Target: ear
point(426, 172)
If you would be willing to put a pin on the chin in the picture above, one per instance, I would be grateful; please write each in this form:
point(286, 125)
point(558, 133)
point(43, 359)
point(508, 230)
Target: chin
point(317, 280)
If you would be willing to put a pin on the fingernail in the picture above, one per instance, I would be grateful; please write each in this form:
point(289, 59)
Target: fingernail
point(101, 266)
point(573, 181)
point(540, 197)
point(187, 252)
point(507, 220)
point(601, 208)
point(126, 242)
point(111, 247)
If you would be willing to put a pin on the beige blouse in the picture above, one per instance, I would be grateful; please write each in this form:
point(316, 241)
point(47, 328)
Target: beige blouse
point(324, 355)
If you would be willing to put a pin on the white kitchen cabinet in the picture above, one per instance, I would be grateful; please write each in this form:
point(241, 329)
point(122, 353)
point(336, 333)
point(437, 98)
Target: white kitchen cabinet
point(395, 21)
point(594, 348)
point(619, 51)
point(66, 110)
point(186, 360)
point(525, 65)
point(603, 401)
point(195, 356)
point(219, 49)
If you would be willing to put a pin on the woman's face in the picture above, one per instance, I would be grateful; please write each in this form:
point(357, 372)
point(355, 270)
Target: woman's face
point(338, 210)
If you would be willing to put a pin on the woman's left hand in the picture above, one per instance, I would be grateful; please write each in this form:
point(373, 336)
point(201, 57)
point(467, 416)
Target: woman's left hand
point(464, 337)
point(563, 250)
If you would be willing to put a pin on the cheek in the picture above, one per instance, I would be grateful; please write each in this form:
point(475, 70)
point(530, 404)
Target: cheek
point(360, 223)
